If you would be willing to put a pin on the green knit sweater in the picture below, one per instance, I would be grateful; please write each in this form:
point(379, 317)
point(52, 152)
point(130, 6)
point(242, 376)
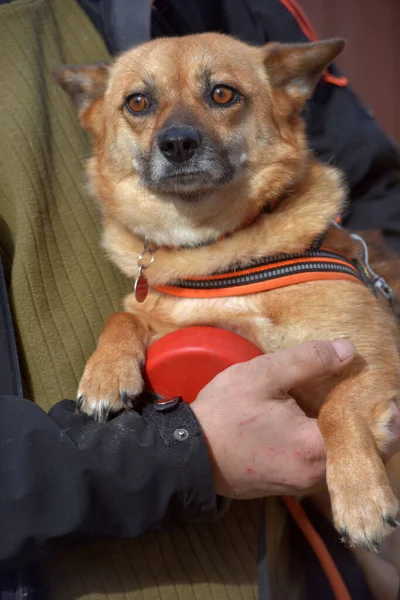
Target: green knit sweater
point(63, 289)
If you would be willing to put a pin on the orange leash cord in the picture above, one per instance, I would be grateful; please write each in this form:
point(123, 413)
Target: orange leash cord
point(309, 32)
point(314, 539)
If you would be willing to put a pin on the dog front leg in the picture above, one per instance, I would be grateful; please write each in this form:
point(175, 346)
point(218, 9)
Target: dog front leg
point(112, 378)
point(355, 425)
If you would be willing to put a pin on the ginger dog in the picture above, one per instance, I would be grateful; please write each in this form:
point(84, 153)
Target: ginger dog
point(194, 138)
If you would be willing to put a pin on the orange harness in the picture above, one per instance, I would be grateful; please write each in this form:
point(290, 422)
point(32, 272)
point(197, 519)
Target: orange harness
point(268, 274)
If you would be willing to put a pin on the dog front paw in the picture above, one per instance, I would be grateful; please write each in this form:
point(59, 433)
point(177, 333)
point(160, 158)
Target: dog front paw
point(364, 508)
point(110, 383)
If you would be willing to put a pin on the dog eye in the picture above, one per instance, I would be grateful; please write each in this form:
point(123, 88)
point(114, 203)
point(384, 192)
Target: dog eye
point(224, 95)
point(137, 103)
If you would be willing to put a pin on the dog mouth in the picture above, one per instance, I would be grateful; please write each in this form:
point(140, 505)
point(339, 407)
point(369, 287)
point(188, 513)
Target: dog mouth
point(187, 178)
point(191, 181)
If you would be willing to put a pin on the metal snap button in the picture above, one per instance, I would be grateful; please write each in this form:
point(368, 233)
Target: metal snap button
point(181, 434)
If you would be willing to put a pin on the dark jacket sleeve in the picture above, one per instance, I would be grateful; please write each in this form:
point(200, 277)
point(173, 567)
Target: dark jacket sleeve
point(63, 474)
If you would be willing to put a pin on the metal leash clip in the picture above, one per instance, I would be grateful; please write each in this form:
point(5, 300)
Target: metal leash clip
point(378, 282)
point(382, 285)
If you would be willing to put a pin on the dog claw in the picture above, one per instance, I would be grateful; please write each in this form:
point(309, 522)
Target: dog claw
point(391, 522)
point(126, 400)
point(376, 547)
point(101, 412)
point(344, 537)
point(371, 547)
point(79, 402)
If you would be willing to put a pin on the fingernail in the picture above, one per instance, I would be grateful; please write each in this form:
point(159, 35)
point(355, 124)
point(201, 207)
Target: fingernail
point(344, 349)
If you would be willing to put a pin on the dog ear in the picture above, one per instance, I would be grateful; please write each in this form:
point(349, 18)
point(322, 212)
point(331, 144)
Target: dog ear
point(84, 84)
point(296, 68)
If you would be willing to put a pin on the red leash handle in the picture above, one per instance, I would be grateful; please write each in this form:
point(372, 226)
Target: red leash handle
point(182, 363)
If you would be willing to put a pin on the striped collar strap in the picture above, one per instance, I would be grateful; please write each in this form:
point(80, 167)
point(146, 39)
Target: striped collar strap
point(267, 274)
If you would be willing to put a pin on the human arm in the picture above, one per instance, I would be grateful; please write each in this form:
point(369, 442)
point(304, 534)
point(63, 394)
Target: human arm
point(284, 450)
point(63, 473)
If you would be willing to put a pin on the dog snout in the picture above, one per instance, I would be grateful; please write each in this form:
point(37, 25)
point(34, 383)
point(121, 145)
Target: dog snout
point(179, 144)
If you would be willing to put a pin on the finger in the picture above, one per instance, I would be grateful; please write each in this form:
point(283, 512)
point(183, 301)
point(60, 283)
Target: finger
point(290, 368)
point(311, 452)
point(307, 466)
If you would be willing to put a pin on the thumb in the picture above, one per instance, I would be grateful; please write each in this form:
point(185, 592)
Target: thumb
point(289, 368)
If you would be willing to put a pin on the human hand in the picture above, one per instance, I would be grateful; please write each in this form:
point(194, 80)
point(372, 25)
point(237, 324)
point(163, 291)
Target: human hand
point(260, 441)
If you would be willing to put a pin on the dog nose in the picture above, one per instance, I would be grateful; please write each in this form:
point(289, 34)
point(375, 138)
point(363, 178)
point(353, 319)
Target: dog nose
point(178, 144)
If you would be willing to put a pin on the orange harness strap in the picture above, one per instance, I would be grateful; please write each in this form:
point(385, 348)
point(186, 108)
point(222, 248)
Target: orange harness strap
point(267, 274)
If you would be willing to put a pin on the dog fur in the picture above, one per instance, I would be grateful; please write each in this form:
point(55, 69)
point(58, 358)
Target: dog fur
point(254, 152)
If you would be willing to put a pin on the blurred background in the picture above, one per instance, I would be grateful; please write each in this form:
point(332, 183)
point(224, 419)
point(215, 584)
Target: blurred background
point(371, 60)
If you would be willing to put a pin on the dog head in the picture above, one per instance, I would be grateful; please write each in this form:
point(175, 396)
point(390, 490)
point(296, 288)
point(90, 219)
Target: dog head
point(192, 136)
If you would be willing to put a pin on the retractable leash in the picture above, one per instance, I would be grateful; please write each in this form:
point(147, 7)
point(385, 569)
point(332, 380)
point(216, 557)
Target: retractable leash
point(180, 364)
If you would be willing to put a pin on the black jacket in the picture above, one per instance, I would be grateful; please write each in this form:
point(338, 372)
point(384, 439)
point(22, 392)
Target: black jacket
point(63, 475)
